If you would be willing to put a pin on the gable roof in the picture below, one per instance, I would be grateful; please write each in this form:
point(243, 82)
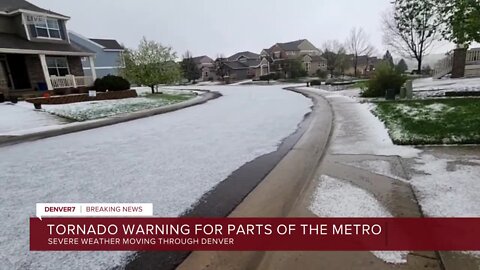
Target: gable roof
point(108, 44)
point(318, 58)
point(11, 6)
point(247, 54)
point(291, 46)
point(200, 59)
point(250, 63)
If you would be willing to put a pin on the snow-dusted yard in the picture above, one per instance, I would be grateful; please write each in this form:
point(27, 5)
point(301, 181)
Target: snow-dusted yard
point(169, 160)
point(429, 87)
point(21, 116)
point(445, 180)
point(440, 121)
point(91, 110)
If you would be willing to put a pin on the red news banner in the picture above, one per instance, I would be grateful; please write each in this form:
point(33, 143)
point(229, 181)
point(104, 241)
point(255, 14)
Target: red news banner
point(256, 234)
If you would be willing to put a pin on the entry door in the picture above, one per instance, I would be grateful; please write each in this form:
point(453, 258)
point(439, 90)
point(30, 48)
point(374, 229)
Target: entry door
point(18, 71)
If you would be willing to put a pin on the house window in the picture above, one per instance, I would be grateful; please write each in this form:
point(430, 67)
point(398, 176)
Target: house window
point(49, 28)
point(307, 66)
point(291, 53)
point(57, 66)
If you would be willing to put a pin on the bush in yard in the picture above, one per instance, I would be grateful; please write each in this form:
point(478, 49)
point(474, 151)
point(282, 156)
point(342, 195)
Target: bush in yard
point(385, 77)
point(111, 83)
point(267, 77)
point(315, 82)
point(322, 74)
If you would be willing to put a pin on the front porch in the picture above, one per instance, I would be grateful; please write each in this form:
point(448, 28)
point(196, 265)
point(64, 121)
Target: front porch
point(32, 74)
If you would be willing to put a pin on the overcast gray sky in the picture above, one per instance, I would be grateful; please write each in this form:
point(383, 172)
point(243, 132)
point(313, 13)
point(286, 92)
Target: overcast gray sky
point(221, 26)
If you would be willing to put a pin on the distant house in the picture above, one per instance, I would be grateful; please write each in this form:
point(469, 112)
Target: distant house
point(36, 52)
point(246, 65)
point(206, 65)
point(301, 50)
point(365, 65)
point(108, 54)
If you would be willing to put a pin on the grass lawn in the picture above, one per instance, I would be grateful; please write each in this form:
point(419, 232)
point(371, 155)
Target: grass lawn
point(170, 98)
point(83, 111)
point(442, 121)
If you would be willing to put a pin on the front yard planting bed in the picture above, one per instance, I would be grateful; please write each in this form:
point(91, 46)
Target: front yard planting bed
point(436, 121)
point(83, 111)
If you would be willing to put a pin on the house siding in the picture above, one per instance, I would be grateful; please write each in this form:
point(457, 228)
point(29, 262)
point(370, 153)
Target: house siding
point(7, 25)
point(19, 27)
point(101, 72)
point(106, 62)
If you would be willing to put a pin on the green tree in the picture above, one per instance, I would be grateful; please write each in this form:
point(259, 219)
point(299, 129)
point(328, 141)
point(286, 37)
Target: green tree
point(190, 70)
point(295, 69)
point(388, 59)
point(402, 66)
point(412, 28)
point(385, 77)
point(461, 20)
point(221, 69)
point(336, 57)
point(151, 64)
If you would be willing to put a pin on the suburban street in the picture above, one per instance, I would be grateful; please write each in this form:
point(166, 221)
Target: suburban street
point(169, 160)
point(194, 138)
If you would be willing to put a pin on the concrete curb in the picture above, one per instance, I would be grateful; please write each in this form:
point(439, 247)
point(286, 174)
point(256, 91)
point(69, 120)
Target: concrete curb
point(208, 95)
point(278, 192)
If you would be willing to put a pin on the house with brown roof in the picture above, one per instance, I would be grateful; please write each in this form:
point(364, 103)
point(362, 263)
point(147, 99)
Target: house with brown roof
point(245, 65)
point(365, 65)
point(36, 52)
point(302, 50)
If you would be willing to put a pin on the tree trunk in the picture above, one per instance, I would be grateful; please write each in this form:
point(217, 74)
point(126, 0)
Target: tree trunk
point(355, 65)
point(419, 66)
point(153, 88)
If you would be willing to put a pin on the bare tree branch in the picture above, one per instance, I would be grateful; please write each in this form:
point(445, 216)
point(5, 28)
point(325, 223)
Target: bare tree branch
point(358, 45)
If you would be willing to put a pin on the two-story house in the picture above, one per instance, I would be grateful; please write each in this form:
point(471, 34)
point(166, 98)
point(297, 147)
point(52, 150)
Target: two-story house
point(108, 54)
point(206, 65)
point(301, 50)
point(36, 52)
point(246, 65)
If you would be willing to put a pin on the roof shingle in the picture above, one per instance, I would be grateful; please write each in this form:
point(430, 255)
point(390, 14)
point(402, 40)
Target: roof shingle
point(12, 41)
point(9, 6)
point(109, 44)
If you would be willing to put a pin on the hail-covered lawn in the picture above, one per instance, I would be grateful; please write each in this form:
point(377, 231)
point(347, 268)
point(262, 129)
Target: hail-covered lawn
point(428, 87)
point(22, 116)
point(440, 121)
point(83, 111)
